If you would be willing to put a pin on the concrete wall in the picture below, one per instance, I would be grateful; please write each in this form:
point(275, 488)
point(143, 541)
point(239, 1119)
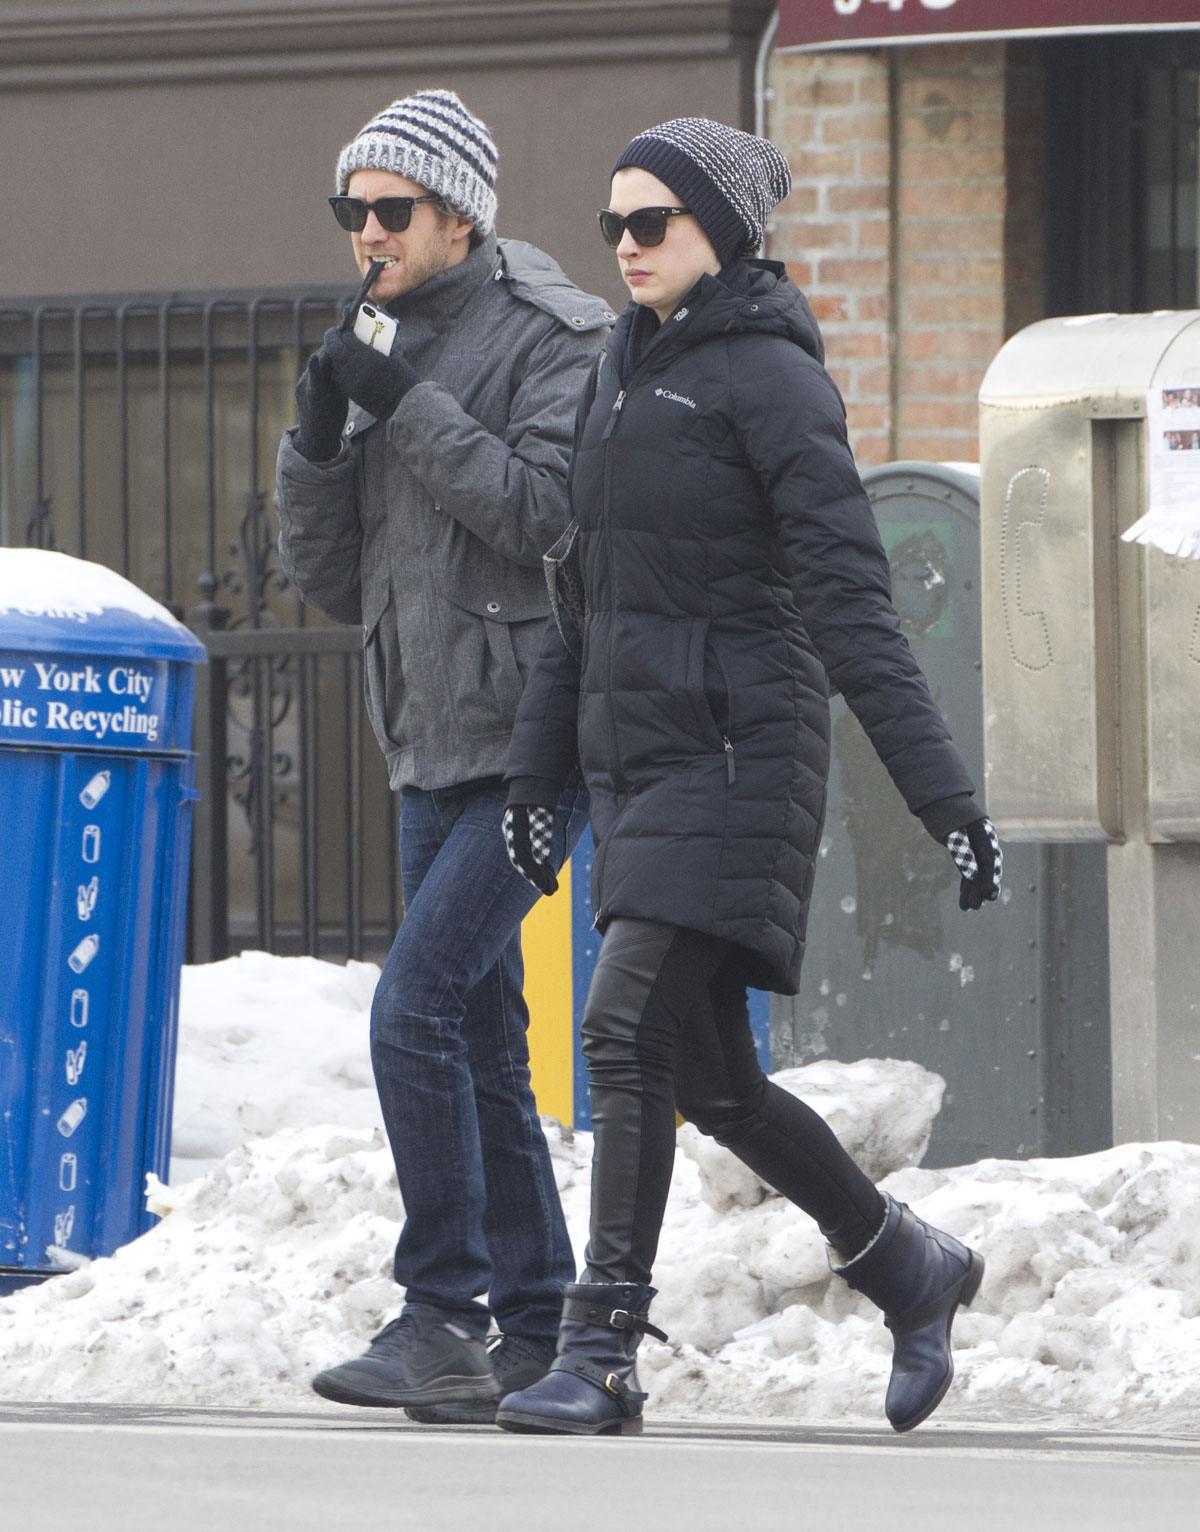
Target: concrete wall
point(179, 146)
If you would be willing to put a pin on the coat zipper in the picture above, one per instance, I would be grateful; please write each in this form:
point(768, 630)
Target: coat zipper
point(612, 415)
point(618, 774)
point(730, 765)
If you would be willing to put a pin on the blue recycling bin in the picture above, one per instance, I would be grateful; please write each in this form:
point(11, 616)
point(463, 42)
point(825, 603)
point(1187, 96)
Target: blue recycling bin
point(96, 787)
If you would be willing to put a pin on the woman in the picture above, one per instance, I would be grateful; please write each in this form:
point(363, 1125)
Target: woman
point(731, 570)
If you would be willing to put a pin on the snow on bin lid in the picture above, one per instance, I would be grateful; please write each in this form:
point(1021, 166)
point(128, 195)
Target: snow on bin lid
point(53, 601)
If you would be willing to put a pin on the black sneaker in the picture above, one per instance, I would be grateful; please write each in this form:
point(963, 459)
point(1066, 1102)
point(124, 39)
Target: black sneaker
point(421, 1358)
point(516, 1363)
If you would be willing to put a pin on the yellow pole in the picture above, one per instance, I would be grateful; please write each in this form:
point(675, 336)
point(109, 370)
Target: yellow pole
point(546, 945)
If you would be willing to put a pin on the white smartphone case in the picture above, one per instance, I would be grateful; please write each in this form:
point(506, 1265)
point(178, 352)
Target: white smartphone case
point(374, 327)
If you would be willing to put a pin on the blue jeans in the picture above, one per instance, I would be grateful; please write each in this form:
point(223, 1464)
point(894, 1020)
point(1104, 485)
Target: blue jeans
point(451, 1061)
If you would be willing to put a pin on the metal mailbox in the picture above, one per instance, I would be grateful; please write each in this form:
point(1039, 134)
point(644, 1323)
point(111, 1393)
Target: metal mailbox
point(96, 687)
point(1091, 647)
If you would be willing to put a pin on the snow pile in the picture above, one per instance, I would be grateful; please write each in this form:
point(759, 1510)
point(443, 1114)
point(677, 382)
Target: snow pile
point(276, 1262)
point(881, 1110)
point(1089, 1312)
point(36, 582)
point(268, 1043)
point(228, 1299)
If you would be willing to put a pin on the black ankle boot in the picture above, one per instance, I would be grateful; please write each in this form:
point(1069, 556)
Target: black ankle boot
point(918, 1276)
point(591, 1387)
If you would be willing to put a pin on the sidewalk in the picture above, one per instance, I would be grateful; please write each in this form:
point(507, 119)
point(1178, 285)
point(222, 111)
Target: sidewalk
point(110, 1467)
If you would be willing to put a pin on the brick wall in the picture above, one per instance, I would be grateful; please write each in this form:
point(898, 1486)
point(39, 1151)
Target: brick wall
point(1024, 223)
point(830, 116)
point(914, 226)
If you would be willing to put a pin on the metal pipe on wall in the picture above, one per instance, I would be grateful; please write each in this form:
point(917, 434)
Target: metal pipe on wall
point(761, 60)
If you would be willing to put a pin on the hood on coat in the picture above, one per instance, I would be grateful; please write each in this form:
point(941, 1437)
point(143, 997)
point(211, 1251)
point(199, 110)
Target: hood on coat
point(751, 297)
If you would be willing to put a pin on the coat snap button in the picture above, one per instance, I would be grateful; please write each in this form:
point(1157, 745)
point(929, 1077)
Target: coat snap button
point(575, 319)
point(493, 606)
point(349, 427)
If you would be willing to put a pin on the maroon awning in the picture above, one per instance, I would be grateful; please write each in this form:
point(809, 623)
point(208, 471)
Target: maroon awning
point(850, 23)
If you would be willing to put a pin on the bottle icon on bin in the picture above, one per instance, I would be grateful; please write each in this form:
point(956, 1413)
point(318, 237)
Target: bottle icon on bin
point(95, 789)
point(72, 1117)
point(63, 1225)
point(76, 1058)
point(84, 953)
point(80, 1001)
point(85, 898)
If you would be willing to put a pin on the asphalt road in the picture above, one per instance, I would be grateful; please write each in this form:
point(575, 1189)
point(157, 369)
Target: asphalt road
point(116, 1468)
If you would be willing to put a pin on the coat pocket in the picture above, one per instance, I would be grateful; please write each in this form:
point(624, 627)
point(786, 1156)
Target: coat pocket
point(382, 678)
point(491, 641)
point(701, 666)
point(656, 686)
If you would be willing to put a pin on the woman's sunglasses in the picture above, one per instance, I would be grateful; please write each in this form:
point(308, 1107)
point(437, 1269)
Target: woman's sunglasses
point(648, 225)
point(394, 213)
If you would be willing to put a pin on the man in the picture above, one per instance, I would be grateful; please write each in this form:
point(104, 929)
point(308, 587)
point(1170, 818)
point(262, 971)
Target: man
point(416, 496)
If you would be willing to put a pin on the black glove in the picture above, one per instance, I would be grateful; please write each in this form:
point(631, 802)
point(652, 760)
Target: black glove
point(528, 833)
point(977, 855)
point(320, 408)
point(371, 378)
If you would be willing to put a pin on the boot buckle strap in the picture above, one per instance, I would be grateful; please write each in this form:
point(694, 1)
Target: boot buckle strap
point(616, 1319)
point(622, 1392)
point(610, 1382)
point(622, 1319)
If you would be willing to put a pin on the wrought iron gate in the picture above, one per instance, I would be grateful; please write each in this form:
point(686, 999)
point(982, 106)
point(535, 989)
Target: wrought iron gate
point(141, 433)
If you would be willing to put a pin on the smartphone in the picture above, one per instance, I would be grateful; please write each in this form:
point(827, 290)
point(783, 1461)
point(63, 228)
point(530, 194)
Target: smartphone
point(374, 327)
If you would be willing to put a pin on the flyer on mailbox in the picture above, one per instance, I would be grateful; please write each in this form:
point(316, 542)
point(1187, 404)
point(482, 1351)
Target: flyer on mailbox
point(1172, 522)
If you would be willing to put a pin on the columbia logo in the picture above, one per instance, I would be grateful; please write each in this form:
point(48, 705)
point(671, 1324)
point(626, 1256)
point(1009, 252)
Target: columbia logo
point(665, 393)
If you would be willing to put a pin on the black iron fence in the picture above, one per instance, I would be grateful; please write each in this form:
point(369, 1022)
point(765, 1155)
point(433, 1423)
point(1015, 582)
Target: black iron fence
point(141, 433)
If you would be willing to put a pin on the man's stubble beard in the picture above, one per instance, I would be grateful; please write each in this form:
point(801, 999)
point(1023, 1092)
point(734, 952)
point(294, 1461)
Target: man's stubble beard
point(415, 268)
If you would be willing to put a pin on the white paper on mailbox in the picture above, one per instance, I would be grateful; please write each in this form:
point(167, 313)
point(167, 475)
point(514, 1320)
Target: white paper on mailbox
point(1172, 522)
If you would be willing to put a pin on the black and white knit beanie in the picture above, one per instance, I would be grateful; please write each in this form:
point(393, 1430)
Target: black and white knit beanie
point(730, 180)
point(432, 139)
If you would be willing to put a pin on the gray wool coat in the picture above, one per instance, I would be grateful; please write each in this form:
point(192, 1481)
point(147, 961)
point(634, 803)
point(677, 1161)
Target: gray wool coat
point(429, 528)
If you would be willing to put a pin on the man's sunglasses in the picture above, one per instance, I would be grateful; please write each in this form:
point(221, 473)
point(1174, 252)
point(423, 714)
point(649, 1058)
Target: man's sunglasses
point(648, 225)
point(394, 213)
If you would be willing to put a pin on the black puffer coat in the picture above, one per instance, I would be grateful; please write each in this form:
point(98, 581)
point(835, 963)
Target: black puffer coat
point(731, 563)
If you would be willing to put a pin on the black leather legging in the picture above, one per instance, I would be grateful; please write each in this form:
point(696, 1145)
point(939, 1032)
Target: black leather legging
point(666, 1027)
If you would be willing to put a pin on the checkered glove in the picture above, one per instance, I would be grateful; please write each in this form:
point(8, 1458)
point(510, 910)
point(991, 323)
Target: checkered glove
point(977, 855)
point(528, 833)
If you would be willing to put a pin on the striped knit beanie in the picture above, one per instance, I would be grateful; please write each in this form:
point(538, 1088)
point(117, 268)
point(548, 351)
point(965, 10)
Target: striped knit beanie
point(730, 180)
point(432, 139)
